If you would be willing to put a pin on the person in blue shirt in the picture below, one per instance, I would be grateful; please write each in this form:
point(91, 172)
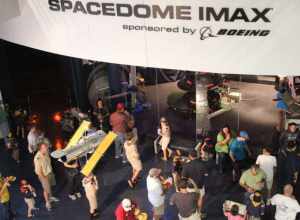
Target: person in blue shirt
point(238, 152)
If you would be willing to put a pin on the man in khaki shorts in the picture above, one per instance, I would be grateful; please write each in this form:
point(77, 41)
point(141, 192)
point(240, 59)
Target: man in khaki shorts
point(44, 171)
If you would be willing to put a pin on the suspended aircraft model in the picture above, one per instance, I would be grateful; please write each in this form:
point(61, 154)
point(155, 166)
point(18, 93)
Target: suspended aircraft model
point(86, 145)
point(83, 143)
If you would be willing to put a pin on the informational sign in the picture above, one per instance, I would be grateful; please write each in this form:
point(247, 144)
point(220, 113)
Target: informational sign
point(237, 36)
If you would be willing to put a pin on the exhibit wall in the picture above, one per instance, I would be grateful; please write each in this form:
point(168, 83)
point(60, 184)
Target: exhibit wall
point(238, 36)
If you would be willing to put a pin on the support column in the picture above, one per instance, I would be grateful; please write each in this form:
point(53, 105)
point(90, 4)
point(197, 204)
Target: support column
point(132, 82)
point(115, 83)
point(202, 121)
point(79, 84)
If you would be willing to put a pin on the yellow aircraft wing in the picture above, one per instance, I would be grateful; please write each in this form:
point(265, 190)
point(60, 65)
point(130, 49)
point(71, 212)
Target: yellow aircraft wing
point(99, 152)
point(84, 126)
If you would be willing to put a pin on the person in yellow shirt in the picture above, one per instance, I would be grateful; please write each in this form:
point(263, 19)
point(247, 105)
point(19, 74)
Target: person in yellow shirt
point(4, 199)
point(222, 147)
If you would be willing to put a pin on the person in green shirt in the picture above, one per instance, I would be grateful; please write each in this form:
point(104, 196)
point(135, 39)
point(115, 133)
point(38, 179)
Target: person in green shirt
point(222, 147)
point(253, 179)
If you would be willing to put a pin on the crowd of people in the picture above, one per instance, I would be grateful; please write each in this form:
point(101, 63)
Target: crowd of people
point(268, 179)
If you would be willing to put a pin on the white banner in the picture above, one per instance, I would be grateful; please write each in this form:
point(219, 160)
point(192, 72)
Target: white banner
point(9, 9)
point(237, 36)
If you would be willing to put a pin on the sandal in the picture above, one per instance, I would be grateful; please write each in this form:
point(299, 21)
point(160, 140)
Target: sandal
point(130, 183)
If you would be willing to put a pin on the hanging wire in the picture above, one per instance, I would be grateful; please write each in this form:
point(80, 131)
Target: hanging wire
point(157, 95)
point(238, 106)
point(196, 133)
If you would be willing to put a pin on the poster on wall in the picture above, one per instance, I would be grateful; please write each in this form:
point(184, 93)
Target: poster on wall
point(238, 36)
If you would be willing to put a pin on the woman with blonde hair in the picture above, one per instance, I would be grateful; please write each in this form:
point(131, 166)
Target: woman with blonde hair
point(165, 132)
point(133, 157)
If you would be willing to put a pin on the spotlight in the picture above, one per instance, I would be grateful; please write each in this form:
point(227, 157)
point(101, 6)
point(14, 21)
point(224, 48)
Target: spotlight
point(57, 117)
point(58, 143)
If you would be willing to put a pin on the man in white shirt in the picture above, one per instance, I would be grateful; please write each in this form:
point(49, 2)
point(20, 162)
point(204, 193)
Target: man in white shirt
point(32, 139)
point(156, 193)
point(268, 164)
point(287, 206)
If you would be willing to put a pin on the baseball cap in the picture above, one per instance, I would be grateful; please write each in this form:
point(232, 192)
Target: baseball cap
point(244, 134)
point(154, 172)
point(120, 106)
point(126, 204)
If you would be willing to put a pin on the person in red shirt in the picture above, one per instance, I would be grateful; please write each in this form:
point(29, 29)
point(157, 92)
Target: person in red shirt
point(119, 123)
point(125, 210)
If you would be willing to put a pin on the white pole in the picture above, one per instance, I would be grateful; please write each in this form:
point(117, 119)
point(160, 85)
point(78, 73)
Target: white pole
point(1, 100)
point(132, 82)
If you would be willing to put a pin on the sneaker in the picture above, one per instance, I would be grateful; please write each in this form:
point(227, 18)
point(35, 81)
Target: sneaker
point(124, 161)
point(48, 207)
point(96, 213)
point(203, 215)
point(72, 197)
point(54, 199)
point(117, 157)
point(78, 195)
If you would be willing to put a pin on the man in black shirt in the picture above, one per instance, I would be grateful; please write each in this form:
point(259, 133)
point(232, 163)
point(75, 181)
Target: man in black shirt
point(195, 170)
point(287, 158)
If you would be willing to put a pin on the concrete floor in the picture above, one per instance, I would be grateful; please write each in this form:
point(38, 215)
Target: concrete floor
point(256, 114)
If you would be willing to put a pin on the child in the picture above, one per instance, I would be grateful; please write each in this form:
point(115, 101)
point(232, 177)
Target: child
point(255, 206)
point(90, 185)
point(29, 194)
point(233, 214)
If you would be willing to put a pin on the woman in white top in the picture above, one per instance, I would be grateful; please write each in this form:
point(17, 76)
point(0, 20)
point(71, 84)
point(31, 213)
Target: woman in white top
point(165, 132)
point(90, 185)
point(133, 157)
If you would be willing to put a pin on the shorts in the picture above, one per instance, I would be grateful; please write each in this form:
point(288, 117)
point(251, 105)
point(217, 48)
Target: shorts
point(269, 184)
point(45, 184)
point(195, 216)
point(164, 142)
point(30, 203)
point(159, 211)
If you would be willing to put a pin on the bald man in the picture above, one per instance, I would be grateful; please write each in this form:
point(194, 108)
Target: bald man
point(287, 206)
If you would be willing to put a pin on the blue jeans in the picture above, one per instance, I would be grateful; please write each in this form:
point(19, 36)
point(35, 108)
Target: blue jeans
point(220, 160)
point(291, 166)
point(4, 211)
point(119, 144)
